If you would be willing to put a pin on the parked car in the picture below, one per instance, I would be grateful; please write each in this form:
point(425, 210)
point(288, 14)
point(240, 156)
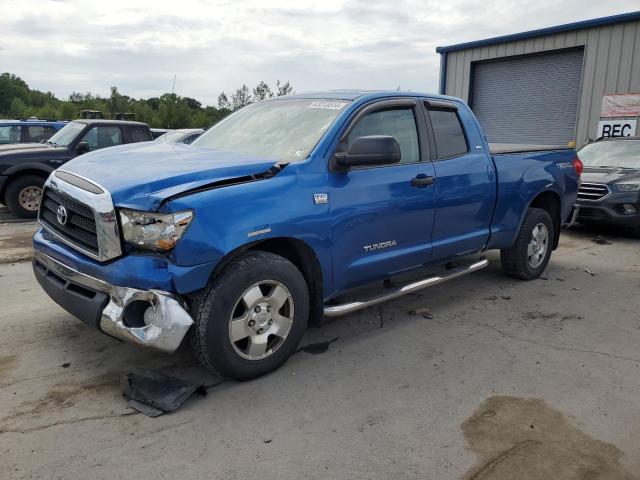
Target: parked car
point(183, 135)
point(610, 190)
point(156, 132)
point(25, 167)
point(282, 213)
point(30, 130)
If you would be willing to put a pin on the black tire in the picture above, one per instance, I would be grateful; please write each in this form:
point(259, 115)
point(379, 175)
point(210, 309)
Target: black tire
point(12, 195)
point(515, 260)
point(216, 305)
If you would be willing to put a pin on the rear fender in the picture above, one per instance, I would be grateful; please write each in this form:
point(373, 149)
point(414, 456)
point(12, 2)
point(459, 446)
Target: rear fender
point(518, 188)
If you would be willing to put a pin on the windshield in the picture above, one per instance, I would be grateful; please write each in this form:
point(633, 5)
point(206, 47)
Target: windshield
point(283, 130)
point(67, 134)
point(170, 136)
point(622, 153)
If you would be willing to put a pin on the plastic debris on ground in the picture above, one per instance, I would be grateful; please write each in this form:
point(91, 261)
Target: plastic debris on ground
point(423, 312)
point(153, 393)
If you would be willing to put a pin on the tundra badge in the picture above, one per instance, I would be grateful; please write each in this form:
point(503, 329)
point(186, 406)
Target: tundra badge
point(379, 246)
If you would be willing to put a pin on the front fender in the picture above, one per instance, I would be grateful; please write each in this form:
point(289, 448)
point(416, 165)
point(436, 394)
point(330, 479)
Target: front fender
point(232, 217)
point(29, 166)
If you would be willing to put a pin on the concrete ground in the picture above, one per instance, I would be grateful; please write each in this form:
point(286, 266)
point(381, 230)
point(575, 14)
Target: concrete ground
point(15, 237)
point(508, 379)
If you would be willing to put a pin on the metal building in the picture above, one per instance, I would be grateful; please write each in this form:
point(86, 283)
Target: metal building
point(551, 86)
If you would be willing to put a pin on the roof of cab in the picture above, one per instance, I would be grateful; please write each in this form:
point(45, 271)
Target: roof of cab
point(89, 121)
point(355, 94)
point(32, 121)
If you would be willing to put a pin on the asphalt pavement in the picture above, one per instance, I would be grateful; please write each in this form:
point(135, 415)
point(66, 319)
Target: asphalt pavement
point(484, 377)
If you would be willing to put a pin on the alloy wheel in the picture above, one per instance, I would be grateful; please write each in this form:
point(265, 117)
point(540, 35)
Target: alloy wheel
point(261, 320)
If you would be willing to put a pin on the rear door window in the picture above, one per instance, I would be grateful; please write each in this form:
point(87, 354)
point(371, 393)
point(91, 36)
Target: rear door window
point(9, 134)
point(448, 133)
point(39, 133)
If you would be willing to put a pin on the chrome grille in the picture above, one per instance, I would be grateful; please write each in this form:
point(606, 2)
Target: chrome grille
point(80, 228)
point(592, 191)
point(91, 223)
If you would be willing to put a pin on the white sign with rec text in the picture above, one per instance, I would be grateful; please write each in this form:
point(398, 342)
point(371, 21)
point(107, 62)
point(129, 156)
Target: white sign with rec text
point(617, 128)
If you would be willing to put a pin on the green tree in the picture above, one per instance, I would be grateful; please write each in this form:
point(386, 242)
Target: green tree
point(17, 108)
point(241, 98)
point(283, 89)
point(67, 111)
point(223, 102)
point(168, 110)
point(262, 91)
point(11, 86)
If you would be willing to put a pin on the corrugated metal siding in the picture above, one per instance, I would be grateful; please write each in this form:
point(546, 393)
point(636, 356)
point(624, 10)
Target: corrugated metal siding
point(545, 86)
point(611, 65)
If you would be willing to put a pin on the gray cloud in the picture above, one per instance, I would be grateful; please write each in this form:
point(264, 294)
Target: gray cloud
point(211, 46)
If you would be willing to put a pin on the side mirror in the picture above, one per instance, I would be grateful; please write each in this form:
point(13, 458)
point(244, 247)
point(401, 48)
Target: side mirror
point(369, 151)
point(83, 147)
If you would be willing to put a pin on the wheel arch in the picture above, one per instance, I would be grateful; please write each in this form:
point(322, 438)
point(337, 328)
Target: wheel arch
point(297, 252)
point(550, 201)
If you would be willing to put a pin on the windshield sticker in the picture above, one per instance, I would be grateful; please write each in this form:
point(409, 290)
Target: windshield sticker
point(327, 105)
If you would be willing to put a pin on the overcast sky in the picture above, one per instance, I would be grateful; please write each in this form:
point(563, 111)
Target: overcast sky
point(78, 45)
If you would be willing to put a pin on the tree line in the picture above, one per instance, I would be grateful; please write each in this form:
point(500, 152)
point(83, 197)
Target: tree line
point(17, 100)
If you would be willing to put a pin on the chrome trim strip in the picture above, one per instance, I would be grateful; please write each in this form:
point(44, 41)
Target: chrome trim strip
point(168, 325)
point(107, 231)
point(258, 232)
point(70, 274)
point(79, 181)
point(345, 308)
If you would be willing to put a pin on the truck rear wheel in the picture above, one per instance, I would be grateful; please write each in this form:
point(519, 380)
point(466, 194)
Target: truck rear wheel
point(23, 196)
point(531, 252)
point(251, 318)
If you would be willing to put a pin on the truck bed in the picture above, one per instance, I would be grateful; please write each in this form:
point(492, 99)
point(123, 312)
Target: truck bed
point(504, 148)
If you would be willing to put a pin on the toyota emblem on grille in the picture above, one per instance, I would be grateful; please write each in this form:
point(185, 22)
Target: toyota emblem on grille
point(61, 215)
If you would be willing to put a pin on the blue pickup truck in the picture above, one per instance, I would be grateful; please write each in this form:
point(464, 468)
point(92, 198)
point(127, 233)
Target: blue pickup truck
point(289, 210)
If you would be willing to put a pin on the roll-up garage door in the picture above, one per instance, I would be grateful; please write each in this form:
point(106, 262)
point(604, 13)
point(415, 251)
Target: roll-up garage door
point(530, 99)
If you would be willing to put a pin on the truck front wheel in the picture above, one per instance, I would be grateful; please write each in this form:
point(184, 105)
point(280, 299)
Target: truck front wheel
point(530, 254)
point(252, 316)
point(23, 196)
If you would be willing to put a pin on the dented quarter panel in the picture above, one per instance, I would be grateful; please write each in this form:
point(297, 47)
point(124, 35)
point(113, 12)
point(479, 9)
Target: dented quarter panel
point(522, 177)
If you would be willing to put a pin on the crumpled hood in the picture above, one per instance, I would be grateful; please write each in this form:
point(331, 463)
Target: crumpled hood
point(142, 175)
point(609, 175)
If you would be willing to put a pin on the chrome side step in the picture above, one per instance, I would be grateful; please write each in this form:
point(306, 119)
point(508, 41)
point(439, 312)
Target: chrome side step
point(345, 308)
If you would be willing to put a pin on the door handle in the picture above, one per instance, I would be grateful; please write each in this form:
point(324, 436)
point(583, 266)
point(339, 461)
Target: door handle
point(422, 181)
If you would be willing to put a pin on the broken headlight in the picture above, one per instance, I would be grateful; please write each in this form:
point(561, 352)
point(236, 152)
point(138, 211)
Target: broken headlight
point(158, 232)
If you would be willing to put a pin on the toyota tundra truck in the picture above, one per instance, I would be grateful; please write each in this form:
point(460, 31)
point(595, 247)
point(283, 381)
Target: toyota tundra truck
point(287, 211)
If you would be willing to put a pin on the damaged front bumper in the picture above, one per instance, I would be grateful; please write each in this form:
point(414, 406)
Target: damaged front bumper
point(149, 318)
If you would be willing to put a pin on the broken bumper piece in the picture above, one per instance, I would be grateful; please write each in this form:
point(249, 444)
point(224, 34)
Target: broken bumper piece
point(149, 318)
